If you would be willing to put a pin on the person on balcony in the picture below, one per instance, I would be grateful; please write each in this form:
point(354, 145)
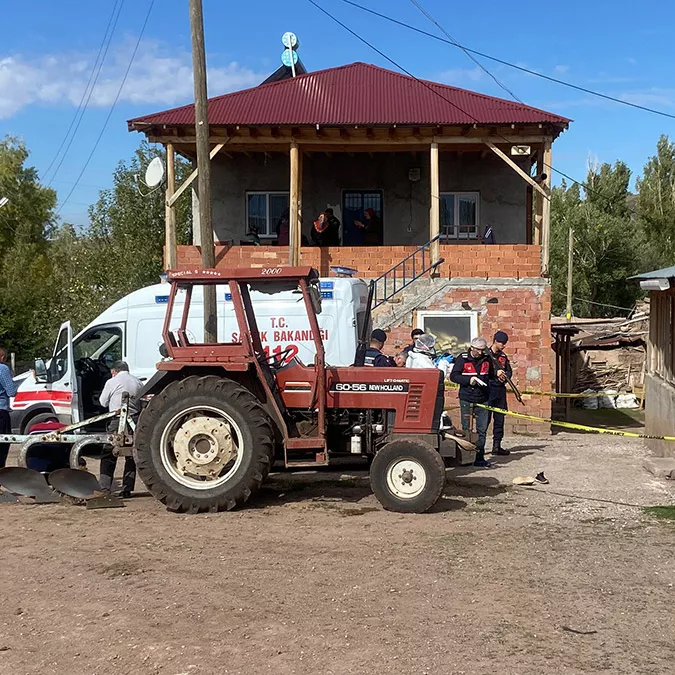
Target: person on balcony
point(372, 228)
point(326, 230)
point(283, 228)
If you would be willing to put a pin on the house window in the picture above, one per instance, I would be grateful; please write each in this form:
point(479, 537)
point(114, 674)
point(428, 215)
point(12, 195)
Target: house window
point(354, 205)
point(453, 330)
point(263, 210)
point(459, 215)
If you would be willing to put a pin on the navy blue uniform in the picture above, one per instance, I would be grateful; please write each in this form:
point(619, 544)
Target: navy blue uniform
point(465, 368)
point(374, 357)
point(497, 399)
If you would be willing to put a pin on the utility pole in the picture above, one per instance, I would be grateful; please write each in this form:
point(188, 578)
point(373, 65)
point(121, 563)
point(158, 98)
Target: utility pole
point(203, 166)
point(570, 267)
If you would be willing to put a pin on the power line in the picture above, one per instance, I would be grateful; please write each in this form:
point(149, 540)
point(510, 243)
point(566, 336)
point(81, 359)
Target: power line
point(466, 49)
point(112, 107)
point(586, 187)
point(88, 90)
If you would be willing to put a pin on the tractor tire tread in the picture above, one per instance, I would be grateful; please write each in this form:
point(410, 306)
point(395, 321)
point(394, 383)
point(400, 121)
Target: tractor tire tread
point(221, 390)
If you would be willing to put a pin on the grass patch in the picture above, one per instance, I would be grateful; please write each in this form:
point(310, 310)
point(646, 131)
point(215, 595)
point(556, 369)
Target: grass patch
point(663, 512)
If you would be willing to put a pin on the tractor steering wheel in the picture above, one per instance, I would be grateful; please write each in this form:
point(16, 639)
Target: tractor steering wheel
point(276, 360)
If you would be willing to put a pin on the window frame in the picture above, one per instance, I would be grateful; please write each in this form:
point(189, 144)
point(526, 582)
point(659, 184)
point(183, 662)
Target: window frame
point(457, 235)
point(267, 194)
point(472, 315)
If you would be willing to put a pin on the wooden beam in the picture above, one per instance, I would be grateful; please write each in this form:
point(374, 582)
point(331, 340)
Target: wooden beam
point(190, 179)
point(294, 215)
point(170, 249)
point(435, 203)
point(274, 132)
point(517, 169)
point(370, 133)
point(362, 139)
point(253, 132)
point(298, 243)
point(546, 212)
point(538, 204)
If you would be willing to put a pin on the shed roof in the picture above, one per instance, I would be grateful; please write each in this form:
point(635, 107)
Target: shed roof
point(355, 94)
point(666, 273)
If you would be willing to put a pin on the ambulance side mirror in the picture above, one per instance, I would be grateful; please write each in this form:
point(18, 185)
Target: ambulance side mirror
point(41, 374)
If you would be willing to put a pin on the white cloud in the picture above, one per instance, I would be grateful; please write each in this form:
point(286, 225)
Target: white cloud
point(562, 69)
point(160, 75)
point(459, 76)
point(651, 98)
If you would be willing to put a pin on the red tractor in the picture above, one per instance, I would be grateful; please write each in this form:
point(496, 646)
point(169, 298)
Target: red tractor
point(220, 414)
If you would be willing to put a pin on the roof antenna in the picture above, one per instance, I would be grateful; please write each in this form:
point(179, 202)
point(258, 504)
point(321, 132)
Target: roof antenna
point(289, 57)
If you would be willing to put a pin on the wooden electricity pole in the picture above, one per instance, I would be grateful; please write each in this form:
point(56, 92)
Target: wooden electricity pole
point(203, 166)
point(570, 267)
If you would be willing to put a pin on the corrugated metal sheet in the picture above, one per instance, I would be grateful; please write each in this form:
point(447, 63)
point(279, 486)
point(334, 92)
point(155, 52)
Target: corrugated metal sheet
point(357, 94)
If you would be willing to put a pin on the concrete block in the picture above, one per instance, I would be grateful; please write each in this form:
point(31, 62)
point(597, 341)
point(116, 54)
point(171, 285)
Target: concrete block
point(661, 467)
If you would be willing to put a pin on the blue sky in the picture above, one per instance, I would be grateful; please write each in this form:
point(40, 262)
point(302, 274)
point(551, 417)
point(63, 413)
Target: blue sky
point(48, 50)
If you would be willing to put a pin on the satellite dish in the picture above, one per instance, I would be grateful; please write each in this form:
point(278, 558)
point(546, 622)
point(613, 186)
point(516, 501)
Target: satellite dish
point(154, 174)
point(289, 40)
point(289, 58)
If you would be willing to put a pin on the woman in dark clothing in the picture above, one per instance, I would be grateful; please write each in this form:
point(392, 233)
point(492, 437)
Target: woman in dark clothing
point(326, 230)
point(374, 234)
point(283, 228)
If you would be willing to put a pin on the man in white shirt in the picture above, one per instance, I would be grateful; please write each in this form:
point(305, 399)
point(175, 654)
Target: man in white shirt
point(122, 382)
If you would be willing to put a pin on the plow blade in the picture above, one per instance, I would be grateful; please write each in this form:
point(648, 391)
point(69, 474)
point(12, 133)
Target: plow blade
point(81, 484)
point(27, 483)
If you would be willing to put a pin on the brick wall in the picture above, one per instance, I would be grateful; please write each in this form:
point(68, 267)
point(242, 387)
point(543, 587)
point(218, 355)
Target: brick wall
point(523, 311)
point(518, 261)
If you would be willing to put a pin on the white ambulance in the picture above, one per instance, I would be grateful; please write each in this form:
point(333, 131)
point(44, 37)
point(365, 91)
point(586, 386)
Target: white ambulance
point(131, 330)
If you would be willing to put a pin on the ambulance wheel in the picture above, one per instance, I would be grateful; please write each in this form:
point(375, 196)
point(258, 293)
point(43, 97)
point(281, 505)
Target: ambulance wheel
point(407, 476)
point(203, 444)
point(40, 418)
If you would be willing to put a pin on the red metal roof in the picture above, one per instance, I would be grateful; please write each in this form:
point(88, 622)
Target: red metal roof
point(356, 94)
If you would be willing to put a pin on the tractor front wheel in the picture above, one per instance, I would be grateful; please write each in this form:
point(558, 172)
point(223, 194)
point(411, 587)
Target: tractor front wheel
point(203, 444)
point(407, 476)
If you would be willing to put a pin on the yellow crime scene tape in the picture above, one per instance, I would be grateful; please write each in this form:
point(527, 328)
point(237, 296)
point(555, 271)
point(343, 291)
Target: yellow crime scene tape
point(572, 425)
point(555, 394)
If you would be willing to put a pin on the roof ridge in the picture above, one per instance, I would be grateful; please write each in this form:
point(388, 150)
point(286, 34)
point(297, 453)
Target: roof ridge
point(473, 108)
point(443, 85)
point(256, 87)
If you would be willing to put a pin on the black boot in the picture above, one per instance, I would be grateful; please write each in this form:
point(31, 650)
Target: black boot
point(498, 450)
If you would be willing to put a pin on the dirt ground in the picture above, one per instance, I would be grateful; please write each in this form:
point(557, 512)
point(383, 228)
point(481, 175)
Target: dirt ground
point(314, 577)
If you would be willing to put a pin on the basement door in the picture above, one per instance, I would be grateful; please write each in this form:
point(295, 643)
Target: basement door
point(354, 205)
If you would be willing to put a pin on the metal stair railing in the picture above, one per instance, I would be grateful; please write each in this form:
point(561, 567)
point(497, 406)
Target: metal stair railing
point(405, 272)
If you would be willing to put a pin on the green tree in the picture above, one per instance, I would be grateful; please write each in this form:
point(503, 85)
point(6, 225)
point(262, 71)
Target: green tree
point(26, 223)
point(656, 205)
point(122, 250)
point(607, 243)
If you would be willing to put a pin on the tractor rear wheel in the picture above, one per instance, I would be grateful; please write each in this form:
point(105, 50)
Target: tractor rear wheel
point(203, 444)
point(407, 476)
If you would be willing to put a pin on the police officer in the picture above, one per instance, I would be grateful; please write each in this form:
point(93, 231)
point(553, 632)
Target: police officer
point(497, 390)
point(472, 372)
point(374, 355)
